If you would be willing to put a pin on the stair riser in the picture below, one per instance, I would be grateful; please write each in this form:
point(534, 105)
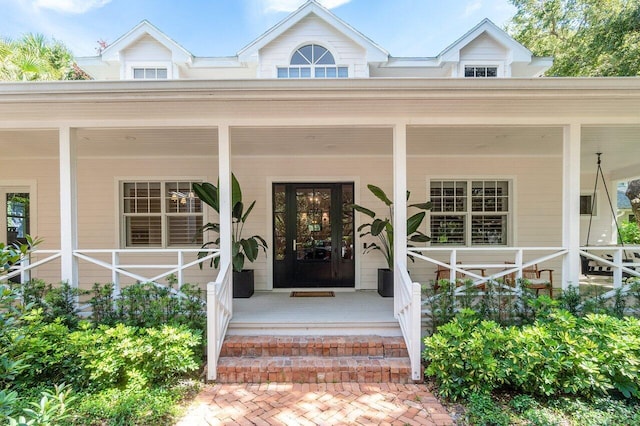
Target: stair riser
point(311, 375)
point(259, 346)
point(313, 359)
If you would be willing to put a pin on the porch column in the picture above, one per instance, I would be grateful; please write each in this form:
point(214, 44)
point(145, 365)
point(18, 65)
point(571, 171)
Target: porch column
point(224, 188)
point(68, 207)
point(571, 205)
point(399, 206)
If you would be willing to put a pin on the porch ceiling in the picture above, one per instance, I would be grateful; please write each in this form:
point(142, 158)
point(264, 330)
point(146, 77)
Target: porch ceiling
point(620, 145)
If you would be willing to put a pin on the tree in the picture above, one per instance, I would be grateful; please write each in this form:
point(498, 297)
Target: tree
point(633, 194)
point(33, 57)
point(585, 37)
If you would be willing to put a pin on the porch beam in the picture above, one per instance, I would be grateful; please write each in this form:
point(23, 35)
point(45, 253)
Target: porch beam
point(572, 135)
point(399, 207)
point(68, 206)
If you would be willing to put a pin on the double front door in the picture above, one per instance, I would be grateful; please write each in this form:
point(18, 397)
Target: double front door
point(313, 235)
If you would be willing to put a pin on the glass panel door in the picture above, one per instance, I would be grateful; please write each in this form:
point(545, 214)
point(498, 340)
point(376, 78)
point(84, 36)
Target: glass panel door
point(313, 235)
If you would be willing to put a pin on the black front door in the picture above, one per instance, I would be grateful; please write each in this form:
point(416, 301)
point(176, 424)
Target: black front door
point(313, 235)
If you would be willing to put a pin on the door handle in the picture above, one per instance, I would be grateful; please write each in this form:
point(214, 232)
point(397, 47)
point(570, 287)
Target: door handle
point(295, 245)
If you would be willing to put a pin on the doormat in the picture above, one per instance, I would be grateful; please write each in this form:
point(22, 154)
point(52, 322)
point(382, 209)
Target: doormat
point(312, 294)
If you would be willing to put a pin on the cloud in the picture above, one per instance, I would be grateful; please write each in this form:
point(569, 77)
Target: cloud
point(472, 6)
point(70, 6)
point(291, 5)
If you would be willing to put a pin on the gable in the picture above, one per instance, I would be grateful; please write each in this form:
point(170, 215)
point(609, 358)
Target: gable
point(144, 31)
point(373, 52)
point(483, 48)
point(513, 51)
point(312, 30)
point(146, 48)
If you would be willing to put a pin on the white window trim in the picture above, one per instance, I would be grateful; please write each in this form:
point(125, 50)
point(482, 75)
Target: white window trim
point(511, 214)
point(129, 66)
point(30, 186)
point(119, 181)
point(329, 48)
point(499, 64)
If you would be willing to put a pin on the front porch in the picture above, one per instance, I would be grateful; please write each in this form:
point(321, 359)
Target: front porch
point(508, 159)
point(348, 312)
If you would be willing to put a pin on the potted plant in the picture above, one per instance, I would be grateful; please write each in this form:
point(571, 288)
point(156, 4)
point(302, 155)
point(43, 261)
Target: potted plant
point(241, 248)
point(383, 230)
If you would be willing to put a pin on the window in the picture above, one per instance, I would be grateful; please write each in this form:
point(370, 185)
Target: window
point(474, 212)
point(150, 73)
point(160, 214)
point(472, 71)
point(313, 61)
point(587, 205)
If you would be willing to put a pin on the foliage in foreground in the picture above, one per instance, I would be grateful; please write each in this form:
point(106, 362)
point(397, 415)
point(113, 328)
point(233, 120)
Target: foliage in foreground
point(147, 305)
point(558, 354)
point(132, 370)
point(504, 410)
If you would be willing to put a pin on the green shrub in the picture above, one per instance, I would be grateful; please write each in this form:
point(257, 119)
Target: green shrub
point(483, 411)
point(629, 233)
point(148, 305)
point(463, 356)
point(152, 407)
point(124, 356)
point(558, 354)
point(56, 303)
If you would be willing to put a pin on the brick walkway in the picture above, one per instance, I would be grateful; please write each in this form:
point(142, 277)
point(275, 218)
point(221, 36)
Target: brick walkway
point(315, 404)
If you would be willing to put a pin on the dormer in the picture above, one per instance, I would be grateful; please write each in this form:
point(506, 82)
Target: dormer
point(144, 53)
point(312, 42)
point(486, 51)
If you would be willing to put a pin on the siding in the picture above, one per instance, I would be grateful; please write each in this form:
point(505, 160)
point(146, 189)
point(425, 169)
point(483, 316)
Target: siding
point(483, 48)
point(146, 49)
point(537, 202)
point(312, 30)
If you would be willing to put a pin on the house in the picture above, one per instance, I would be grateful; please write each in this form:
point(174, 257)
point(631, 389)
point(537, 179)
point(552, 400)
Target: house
point(306, 116)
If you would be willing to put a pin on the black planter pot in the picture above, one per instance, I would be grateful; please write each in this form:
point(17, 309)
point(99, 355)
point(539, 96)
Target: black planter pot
point(243, 284)
point(385, 282)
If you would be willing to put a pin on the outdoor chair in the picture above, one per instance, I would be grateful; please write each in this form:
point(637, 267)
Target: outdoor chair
point(533, 278)
point(444, 273)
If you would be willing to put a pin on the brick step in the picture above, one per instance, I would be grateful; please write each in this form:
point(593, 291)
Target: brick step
point(314, 369)
point(319, 346)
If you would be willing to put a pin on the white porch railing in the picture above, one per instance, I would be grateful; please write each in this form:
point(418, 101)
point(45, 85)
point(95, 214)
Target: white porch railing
point(512, 261)
point(619, 262)
point(408, 307)
point(23, 267)
point(118, 268)
point(219, 313)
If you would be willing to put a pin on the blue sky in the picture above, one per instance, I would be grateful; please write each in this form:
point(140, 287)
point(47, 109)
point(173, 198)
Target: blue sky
point(223, 27)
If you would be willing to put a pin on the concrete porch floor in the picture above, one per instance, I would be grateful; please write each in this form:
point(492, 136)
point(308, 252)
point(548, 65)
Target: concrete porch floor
point(348, 313)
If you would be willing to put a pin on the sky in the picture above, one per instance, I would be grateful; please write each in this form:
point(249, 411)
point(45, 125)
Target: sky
point(223, 27)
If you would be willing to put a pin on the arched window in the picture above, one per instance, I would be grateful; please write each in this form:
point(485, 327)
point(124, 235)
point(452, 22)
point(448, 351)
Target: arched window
point(312, 61)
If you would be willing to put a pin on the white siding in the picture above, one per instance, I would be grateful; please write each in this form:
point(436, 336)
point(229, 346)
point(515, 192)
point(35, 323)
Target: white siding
point(146, 49)
point(312, 30)
point(483, 48)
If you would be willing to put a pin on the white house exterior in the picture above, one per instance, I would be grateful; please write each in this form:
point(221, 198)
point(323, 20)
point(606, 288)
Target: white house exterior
point(313, 109)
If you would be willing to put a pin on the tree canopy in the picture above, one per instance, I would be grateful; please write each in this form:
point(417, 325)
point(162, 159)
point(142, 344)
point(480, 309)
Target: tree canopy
point(34, 57)
point(585, 37)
